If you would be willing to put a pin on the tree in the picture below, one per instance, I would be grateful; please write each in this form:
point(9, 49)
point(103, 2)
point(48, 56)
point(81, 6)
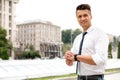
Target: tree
point(110, 50)
point(4, 44)
point(118, 50)
point(75, 33)
point(68, 37)
point(66, 47)
point(29, 54)
point(31, 47)
point(67, 34)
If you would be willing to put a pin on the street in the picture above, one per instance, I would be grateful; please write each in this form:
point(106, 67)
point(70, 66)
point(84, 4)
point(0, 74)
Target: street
point(113, 76)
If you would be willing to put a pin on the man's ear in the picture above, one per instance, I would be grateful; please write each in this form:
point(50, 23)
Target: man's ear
point(91, 16)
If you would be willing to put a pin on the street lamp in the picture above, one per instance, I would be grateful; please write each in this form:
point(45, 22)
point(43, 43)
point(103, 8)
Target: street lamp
point(71, 36)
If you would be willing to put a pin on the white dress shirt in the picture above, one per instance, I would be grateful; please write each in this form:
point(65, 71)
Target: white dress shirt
point(95, 44)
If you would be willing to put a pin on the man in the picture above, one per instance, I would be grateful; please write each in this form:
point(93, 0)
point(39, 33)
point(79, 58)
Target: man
point(92, 57)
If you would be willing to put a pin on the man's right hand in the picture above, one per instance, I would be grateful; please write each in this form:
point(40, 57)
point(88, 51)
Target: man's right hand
point(68, 62)
point(69, 58)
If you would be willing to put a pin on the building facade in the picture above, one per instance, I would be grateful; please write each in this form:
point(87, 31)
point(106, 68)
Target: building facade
point(7, 15)
point(43, 35)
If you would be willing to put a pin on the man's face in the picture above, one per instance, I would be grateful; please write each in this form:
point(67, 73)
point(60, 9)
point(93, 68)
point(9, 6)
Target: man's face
point(84, 18)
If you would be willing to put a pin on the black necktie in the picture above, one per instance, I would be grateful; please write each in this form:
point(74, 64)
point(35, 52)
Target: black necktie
point(80, 48)
point(81, 43)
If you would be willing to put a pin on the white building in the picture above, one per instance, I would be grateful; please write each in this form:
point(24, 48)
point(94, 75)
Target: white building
point(7, 15)
point(43, 35)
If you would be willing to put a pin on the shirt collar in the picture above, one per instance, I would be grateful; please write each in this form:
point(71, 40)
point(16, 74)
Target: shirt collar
point(90, 29)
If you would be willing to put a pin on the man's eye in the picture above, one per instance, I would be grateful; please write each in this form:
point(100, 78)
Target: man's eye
point(79, 16)
point(85, 15)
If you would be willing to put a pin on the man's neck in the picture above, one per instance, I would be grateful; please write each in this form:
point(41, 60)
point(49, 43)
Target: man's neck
point(86, 28)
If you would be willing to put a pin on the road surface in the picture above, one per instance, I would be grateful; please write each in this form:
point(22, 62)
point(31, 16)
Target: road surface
point(112, 76)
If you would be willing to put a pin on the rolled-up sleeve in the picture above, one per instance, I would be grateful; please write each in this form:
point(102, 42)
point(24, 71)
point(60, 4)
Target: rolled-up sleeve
point(101, 50)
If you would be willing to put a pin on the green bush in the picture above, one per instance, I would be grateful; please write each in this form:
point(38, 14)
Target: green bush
point(29, 55)
point(4, 53)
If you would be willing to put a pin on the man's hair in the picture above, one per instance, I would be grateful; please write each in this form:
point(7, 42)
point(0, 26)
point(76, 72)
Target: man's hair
point(83, 7)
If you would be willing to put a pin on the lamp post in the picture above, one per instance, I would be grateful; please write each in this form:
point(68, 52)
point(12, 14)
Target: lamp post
point(71, 37)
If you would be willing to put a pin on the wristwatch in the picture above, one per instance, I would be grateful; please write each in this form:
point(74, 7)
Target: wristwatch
point(75, 57)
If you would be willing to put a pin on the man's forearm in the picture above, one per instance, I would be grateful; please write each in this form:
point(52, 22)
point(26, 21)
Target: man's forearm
point(86, 59)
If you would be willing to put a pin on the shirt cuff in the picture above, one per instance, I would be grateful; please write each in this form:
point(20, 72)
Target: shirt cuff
point(96, 58)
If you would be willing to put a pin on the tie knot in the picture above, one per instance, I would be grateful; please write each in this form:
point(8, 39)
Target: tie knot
point(84, 33)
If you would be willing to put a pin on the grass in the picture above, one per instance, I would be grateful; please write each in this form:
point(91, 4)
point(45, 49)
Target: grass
point(107, 71)
point(54, 77)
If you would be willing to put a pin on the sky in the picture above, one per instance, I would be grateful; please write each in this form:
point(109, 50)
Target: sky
point(105, 13)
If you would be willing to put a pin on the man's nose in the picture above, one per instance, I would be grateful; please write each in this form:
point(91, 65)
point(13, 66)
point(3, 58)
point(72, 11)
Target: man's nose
point(82, 18)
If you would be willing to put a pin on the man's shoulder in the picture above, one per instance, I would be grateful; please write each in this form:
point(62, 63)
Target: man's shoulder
point(99, 30)
point(100, 33)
